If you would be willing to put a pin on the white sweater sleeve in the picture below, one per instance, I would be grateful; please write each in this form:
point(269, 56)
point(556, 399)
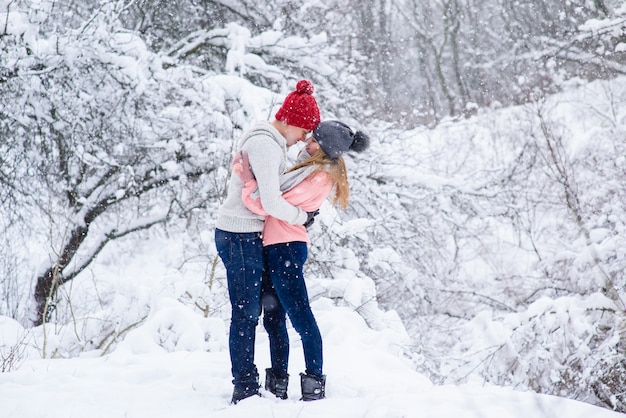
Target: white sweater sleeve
point(267, 160)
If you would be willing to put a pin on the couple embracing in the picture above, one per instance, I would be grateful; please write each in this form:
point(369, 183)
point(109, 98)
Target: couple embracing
point(261, 237)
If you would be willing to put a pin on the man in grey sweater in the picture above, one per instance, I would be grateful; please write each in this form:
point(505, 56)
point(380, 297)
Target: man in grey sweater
point(238, 230)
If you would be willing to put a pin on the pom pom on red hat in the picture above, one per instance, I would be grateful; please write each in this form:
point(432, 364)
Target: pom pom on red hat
point(300, 107)
point(305, 87)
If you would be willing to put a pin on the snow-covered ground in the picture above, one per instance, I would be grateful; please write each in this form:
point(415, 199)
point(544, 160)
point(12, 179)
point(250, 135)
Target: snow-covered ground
point(176, 364)
point(365, 379)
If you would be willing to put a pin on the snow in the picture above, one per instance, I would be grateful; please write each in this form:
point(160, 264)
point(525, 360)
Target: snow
point(364, 380)
point(169, 351)
point(176, 363)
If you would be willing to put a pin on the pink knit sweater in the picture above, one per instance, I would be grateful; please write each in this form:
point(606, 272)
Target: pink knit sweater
point(309, 195)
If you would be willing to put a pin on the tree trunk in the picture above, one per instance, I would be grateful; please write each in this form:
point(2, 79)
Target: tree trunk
point(49, 282)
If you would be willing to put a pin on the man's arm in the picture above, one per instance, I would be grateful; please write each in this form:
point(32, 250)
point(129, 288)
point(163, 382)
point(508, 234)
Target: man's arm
point(266, 157)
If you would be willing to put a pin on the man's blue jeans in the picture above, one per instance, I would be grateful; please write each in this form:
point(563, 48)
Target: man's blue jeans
point(285, 262)
point(242, 255)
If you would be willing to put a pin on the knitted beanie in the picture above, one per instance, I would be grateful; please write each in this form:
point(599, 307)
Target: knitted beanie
point(336, 137)
point(300, 108)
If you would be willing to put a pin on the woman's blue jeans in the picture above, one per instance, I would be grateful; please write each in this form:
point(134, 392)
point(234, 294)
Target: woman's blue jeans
point(287, 294)
point(242, 255)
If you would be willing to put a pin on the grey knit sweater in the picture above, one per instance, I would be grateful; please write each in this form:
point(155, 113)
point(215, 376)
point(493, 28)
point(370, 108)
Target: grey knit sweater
point(267, 153)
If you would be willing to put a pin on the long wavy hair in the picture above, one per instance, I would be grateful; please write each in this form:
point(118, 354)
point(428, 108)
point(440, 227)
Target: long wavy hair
point(337, 171)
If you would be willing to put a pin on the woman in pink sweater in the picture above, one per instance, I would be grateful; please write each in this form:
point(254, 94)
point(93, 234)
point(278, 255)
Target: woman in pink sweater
point(319, 171)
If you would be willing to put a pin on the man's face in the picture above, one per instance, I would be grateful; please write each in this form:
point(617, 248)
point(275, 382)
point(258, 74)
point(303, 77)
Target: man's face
point(294, 134)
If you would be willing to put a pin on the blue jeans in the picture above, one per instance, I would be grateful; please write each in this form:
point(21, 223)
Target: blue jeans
point(285, 262)
point(275, 324)
point(242, 255)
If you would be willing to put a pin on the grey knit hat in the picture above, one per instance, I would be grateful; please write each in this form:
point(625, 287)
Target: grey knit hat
point(336, 137)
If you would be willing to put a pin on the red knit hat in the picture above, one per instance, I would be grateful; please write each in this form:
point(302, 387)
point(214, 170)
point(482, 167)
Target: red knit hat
point(300, 108)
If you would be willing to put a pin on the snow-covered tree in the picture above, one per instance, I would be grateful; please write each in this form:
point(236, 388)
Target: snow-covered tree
point(498, 238)
point(106, 140)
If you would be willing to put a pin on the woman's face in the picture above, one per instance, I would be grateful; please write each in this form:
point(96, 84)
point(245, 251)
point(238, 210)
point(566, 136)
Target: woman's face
point(311, 145)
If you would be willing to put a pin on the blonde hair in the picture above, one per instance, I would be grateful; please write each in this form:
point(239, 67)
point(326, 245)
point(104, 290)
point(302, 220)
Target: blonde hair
point(336, 169)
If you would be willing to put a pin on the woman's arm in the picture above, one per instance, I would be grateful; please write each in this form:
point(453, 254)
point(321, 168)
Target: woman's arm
point(241, 167)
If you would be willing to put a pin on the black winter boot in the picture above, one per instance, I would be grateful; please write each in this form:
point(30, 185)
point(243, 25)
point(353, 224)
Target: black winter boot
point(241, 393)
point(276, 385)
point(244, 388)
point(313, 387)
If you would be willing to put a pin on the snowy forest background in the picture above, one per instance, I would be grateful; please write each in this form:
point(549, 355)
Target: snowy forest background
point(489, 212)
